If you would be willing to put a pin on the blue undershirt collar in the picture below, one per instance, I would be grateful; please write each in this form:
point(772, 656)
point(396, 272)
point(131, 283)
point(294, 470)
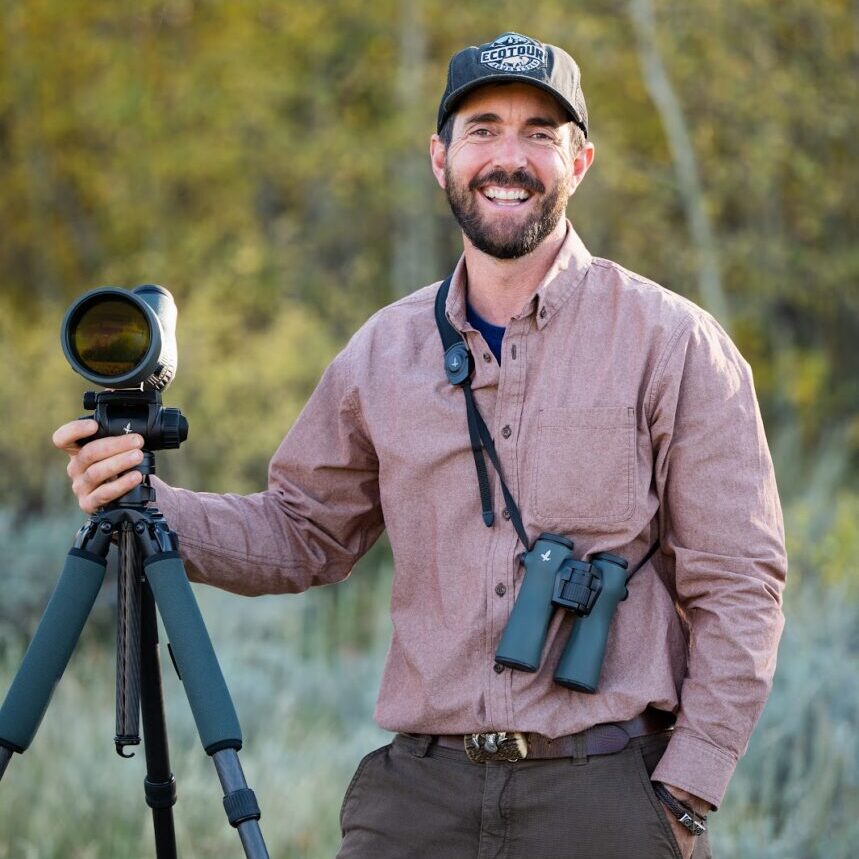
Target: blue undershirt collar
point(492, 334)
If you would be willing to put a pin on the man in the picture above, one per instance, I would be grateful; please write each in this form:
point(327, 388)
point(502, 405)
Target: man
point(622, 416)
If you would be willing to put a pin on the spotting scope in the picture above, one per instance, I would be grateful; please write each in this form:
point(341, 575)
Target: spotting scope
point(125, 340)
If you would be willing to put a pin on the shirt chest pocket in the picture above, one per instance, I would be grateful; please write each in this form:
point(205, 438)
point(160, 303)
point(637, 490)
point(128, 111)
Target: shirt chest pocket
point(585, 465)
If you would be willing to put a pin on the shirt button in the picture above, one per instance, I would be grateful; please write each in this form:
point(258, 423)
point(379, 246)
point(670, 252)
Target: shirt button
point(507, 432)
point(543, 313)
point(501, 589)
point(506, 514)
point(487, 357)
point(513, 351)
point(498, 668)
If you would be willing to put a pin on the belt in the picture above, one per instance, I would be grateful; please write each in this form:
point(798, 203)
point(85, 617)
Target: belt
point(511, 746)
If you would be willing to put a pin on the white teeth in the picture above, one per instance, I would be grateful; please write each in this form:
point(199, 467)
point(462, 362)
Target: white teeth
point(495, 193)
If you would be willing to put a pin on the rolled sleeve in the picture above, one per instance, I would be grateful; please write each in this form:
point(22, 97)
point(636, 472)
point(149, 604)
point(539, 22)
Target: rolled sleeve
point(722, 539)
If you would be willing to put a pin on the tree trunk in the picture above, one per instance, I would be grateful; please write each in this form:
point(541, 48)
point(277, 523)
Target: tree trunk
point(710, 290)
point(414, 243)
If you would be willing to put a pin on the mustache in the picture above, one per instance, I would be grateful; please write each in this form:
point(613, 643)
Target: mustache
point(517, 179)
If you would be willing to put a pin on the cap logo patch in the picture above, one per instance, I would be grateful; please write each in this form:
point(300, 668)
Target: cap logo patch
point(514, 53)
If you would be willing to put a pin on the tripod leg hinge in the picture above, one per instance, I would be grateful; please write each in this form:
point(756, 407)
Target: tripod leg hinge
point(160, 794)
point(241, 805)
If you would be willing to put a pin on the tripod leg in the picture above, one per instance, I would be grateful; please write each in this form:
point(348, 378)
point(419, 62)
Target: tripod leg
point(160, 785)
point(128, 641)
point(50, 650)
point(240, 802)
point(206, 689)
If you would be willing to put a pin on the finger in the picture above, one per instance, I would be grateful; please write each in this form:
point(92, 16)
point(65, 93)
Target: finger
point(107, 469)
point(110, 491)
point(103, 448)
point(67, 435)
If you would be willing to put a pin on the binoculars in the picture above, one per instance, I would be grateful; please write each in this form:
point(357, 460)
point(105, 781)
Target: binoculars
point(590, 589)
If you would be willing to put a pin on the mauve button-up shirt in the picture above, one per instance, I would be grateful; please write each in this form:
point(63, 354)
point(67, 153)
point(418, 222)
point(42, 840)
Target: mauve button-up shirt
point(622, 414)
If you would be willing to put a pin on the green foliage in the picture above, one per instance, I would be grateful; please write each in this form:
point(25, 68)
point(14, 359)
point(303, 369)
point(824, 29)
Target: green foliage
point(33, 553)
point(794, 794)
point(267, 162)
point(241, 384)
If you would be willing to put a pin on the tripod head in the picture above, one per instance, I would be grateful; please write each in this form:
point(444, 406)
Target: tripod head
point(137, 411)
point(127, 411)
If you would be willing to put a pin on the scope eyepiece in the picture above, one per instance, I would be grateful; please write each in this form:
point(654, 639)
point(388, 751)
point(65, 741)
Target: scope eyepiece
point(120, 338)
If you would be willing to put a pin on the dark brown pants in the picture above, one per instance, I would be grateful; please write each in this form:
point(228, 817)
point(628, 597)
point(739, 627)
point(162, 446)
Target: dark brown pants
point(407, 801)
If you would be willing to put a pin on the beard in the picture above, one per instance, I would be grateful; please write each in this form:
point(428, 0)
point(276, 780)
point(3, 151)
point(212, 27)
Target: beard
point(505, 238)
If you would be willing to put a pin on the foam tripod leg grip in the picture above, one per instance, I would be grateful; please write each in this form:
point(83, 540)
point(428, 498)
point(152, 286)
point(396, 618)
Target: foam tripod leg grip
point(51, 648)
point(205, 687)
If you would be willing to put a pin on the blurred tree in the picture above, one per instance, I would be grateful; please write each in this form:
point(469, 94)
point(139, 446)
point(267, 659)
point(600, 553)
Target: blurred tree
point(267, 162)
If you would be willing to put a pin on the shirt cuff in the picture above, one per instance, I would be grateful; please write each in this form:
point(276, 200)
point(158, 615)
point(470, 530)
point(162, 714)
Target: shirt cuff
point(695, 764)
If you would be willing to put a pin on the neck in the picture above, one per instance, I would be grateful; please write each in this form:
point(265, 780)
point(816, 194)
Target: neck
point(499, 288)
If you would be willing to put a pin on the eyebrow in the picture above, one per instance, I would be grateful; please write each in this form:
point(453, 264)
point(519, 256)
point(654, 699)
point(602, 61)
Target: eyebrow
point(535, 121)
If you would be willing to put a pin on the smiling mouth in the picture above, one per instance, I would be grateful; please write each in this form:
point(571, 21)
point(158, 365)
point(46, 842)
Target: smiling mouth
point(506, 197)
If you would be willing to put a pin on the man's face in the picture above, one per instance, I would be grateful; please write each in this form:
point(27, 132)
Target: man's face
point(508, 171)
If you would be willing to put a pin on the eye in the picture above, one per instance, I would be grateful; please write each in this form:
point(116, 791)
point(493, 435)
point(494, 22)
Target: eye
point(480, 132)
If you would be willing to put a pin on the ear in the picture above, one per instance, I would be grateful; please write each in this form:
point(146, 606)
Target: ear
point(438, 158)
point(581, 165)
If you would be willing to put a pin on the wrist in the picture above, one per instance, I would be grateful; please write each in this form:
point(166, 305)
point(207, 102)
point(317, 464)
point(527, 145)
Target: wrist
point(700, 806)
point(684, 812)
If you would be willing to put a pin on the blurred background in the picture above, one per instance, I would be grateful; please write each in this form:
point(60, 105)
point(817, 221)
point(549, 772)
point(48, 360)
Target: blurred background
point(267, 162)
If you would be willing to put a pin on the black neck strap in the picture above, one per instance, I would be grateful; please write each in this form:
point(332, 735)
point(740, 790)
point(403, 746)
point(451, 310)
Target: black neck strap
point(459, 365)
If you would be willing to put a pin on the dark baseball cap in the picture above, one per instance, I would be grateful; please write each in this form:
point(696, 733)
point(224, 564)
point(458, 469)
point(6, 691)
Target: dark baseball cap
point(514, 57)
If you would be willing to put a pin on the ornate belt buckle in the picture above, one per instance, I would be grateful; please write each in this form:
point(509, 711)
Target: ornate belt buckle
point(496, 746)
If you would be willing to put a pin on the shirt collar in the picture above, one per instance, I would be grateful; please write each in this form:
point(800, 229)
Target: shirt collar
point(564, 275)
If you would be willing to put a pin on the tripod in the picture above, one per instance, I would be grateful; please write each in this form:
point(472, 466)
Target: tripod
point(151, 574)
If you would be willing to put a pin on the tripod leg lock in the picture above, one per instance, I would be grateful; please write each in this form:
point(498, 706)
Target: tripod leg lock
point(160, 794)
point(241, 805)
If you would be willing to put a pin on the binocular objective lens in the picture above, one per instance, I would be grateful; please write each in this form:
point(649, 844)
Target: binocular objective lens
point(110, 337)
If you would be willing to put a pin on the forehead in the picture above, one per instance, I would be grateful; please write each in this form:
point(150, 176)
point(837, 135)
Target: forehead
point(512, 102)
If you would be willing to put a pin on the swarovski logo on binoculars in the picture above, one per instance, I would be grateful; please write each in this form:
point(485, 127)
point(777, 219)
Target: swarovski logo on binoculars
point(590, 590)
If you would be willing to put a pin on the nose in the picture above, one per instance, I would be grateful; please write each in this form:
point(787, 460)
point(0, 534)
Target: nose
point(509, 152)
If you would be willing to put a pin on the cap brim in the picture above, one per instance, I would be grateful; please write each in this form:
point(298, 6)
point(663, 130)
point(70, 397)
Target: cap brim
point(457, 94)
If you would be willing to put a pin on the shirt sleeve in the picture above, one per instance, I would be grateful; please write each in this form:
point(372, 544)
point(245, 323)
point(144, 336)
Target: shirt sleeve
point(722, 541)
point(319, 515)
